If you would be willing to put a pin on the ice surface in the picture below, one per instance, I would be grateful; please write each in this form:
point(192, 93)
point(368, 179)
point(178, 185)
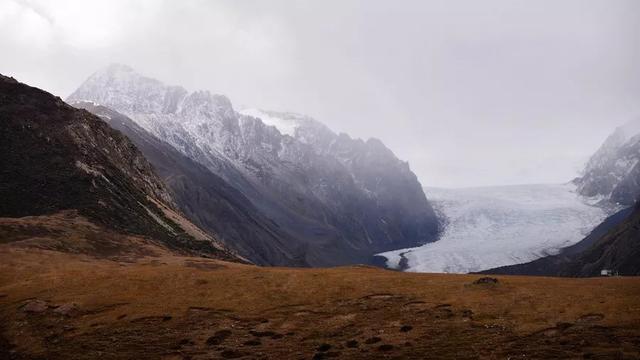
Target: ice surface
point(503, 225)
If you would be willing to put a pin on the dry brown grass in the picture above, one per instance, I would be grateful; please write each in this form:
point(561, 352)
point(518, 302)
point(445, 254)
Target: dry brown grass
point(159, 305)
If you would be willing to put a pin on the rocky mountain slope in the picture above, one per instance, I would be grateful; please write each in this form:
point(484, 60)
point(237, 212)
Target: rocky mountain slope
point(341, 200)
point(618, 250)
point(613, 172)
point(205, 198)
point(58, 158)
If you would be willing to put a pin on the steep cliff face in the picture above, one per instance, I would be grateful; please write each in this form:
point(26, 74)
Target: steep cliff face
point(56, 157)
point(342, 200)
point(399, 208)
point(206, 199)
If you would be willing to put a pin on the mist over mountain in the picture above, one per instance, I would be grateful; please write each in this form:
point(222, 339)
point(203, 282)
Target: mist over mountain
point(341, 199)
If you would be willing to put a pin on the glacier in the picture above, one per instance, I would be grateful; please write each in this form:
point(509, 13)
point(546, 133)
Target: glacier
point(488, 227)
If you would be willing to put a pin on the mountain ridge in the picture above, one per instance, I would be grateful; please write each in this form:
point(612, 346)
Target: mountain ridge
point(613, 171)
point(59, 158)
point(205, 198)
point(327, 190)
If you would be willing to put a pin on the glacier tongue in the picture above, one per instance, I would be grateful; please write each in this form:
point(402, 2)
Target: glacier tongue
point(495, 226)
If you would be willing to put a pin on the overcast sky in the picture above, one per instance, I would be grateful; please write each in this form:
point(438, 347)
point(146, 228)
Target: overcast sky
point(469, 92)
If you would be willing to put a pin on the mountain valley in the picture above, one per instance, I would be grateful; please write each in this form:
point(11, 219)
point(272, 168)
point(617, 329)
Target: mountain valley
point(124, 241)
point(318, 180)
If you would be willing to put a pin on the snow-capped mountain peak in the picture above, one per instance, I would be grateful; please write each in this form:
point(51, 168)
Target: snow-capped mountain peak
point(121, 85)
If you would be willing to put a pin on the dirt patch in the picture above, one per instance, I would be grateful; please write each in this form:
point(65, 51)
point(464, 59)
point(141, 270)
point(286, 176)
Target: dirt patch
point(380, 297)
point(218, 337)
point(466, 313)
point(442, 306)
point(7, 350)
point(231, 354)
point(372, 340)
point(68, 309)
point(406, 328)
point(152, 319)
point(103, 308)
point(590, 318)
point(486, 281)
point(203, 265)
point(267, 333)
point(35, 306)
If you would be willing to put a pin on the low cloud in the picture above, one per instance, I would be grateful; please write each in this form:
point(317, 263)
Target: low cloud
point(470, 93)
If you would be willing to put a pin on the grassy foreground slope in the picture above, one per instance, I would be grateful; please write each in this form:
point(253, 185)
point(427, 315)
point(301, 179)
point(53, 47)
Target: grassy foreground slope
point(81, 292)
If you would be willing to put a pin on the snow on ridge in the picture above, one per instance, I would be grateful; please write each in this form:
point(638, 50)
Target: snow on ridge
point(503, 225)
point(284, 126)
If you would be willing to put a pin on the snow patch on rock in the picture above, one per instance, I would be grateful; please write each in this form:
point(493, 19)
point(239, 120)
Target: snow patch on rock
point(284, 126)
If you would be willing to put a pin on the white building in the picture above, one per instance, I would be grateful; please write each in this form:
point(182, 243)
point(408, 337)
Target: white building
point(606, 272)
